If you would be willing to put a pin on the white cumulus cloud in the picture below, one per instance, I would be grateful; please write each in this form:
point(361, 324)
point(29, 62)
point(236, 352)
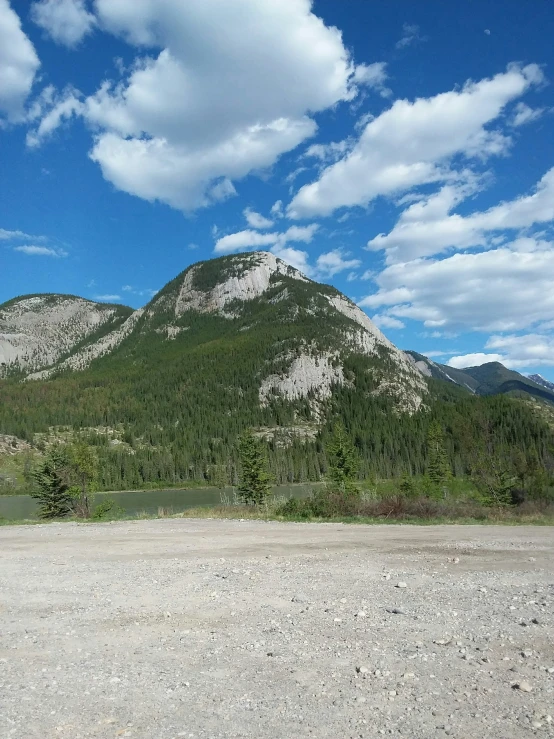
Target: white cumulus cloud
point(413, 143)
point(295, 257)
point(250, 239)
point(332, 262)
point(516, 351)
point(428, 227)
point(524, 350)
point(65, 21)
point(220, 90)
point(474, 360)
point(503, 289)
point(256, 220)
point(18, 65)
point(382, 320)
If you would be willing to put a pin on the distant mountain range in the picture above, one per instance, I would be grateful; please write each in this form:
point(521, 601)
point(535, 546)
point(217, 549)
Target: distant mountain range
point(540, 380)
point(491, 378)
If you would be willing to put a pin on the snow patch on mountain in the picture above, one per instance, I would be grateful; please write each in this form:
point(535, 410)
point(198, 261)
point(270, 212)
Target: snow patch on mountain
point(542, 381)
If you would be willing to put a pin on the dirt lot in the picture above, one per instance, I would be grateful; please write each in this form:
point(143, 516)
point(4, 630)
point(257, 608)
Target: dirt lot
point(185, 628)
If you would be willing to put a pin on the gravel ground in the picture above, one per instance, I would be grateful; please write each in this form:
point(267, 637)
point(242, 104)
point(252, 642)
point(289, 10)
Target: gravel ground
point(186, 628)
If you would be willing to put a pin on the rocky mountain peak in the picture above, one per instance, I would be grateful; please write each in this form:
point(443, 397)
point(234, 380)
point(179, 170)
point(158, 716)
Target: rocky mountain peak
point(37, 330)
point(542, 381)
point(240, 277)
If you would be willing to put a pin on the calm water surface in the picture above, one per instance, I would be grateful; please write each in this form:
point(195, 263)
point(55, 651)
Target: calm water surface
point(148, 501)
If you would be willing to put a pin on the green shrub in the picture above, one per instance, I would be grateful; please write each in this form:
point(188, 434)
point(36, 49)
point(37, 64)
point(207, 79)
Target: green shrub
point(108, 508)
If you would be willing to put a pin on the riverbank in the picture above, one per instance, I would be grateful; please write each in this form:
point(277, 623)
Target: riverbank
point(487, 517)
point(142, 503)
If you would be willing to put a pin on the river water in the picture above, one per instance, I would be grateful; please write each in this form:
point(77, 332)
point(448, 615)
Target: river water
point(18, 507)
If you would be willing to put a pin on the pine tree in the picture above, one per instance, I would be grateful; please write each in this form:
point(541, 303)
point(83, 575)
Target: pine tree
point(53, 485)
point(344, 461)
point(254, 478)
point(407, 486)
point(83, 468)
point(438, 466)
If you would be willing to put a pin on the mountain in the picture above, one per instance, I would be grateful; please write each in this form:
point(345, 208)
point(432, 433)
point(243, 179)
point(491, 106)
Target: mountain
point(491, 378)
point(243, 341)
point(442, 372)
point(308, 329)
point(540, 380)
point(39, 330)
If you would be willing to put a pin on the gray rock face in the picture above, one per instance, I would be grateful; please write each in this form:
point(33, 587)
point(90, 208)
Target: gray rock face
point(37, 331)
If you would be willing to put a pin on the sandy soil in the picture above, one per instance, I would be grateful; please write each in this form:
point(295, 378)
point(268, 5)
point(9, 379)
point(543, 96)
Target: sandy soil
point(186, 628)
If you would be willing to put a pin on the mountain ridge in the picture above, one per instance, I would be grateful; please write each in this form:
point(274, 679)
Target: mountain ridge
point(223, 288)
point(39, 329)
point(490, 378)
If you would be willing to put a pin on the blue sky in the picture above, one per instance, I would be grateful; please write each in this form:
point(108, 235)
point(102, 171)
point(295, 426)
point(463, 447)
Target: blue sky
point(401, 151)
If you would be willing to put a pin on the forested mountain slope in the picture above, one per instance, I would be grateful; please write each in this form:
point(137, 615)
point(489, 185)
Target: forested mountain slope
point(248, 341)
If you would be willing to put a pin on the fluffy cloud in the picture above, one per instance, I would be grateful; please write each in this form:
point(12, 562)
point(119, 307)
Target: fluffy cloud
point(277, 209)
point(295, 257)
point(374, 76)
point(230, 88)
point(427, 227)
point(524, 350)
point(524, 114)
point(256, 220)
point(18, 65)
point(40, 251)
point(62, 108)
point(504, 289)
point(516, 351)
point(244, 240)
point(382, 320)
point(413, 144)
point(474, 360)
point(333, 262)
point(65, 21)
point(326, 265)
point(252, 239)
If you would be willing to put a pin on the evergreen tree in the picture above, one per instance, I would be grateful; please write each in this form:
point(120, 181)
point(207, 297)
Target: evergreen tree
point(254, 478)
point(53, 485)
point(344, 461)
point(493, 480)
point(438, 465)
point(83, 471)
point(407, 486)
